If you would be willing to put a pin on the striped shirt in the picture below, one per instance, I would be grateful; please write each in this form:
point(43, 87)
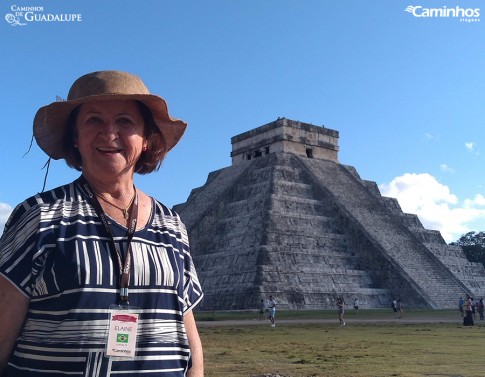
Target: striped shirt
point(56, 251)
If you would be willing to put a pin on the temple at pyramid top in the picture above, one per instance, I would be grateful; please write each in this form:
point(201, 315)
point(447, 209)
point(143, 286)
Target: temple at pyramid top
point(288, 136)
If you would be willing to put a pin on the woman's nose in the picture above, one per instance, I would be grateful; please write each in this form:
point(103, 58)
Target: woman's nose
point(109, 127)
point(109, 130)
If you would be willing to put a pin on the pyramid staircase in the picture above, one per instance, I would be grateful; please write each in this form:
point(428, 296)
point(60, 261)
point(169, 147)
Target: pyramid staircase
point(306, 230)
point(414, 264)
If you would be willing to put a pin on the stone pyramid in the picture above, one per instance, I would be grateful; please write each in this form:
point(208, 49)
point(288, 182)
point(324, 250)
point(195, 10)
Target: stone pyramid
point(288, 220)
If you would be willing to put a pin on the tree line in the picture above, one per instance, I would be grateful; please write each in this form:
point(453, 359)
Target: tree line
point(473, 245)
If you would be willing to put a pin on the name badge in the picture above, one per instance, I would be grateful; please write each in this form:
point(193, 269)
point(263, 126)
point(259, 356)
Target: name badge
point(122, 333)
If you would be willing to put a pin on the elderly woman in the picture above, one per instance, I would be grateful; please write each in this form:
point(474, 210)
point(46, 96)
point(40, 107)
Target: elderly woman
point(96, 278)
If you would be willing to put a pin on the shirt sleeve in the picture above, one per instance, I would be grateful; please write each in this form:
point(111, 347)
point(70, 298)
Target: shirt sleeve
point(192, 288)
point(20, 259)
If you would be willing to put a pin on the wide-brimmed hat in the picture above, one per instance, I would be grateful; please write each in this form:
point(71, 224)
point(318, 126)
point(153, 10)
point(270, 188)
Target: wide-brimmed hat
point(50, 122)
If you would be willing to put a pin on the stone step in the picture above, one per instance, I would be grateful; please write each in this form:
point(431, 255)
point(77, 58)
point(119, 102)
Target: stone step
point(404, 249)
point(294, 190)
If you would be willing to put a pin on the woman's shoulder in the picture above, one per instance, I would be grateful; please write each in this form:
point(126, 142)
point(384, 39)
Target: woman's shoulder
point(68, 191)
point(163, 209)
point(52, 197)
point(167, 219)
point(153, 212)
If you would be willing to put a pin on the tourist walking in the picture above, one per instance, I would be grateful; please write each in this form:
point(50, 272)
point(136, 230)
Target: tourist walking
point(467, 308)
point(474, 309)
point(461, 302)
point(272, 310)
point(341, 310)
point(480, 308)
point(394, 307)
point(356, 306)
point(399, 308)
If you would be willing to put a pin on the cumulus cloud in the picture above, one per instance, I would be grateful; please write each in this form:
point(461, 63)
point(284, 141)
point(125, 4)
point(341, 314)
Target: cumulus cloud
point(5, 211)
point(436, 206)
point(478, 200)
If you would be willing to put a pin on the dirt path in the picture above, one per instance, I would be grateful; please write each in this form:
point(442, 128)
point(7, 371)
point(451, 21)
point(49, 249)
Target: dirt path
point(349, 321)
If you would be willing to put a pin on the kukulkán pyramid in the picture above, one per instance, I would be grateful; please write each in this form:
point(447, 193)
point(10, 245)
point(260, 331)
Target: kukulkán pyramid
point(288, 220)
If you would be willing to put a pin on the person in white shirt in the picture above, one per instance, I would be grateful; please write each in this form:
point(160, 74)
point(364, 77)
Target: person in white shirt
point(272, 310)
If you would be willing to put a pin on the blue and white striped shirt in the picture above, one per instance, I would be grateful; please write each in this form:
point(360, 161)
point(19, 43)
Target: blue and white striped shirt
point(56, 251)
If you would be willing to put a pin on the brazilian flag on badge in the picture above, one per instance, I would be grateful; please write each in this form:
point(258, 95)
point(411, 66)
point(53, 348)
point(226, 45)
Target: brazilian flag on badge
point(122, 338)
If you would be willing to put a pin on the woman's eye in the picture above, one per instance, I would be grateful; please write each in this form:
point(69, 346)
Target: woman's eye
point(93, 121)
point(124, 122)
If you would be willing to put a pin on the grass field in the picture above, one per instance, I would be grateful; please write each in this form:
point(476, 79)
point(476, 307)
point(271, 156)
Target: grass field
point(373, 343)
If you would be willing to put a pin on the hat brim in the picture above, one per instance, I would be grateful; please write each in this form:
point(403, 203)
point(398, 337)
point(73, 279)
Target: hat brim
point(50, 122)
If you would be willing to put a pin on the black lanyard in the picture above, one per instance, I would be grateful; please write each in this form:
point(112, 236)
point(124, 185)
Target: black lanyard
point(124, 268)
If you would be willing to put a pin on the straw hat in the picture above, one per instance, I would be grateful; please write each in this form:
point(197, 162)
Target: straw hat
point(50, 121)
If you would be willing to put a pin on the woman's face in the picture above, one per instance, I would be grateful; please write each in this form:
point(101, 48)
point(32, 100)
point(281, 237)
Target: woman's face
point(110, 137)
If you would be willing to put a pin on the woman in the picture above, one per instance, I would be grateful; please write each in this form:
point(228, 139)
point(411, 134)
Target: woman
point(96, 278)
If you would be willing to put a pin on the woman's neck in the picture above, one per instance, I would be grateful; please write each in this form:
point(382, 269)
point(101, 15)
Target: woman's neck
point(119, 188)
point(120, 193)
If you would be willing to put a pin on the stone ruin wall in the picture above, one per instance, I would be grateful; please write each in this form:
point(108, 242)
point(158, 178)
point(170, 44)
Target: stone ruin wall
point(238, 227)
point(288, 136)
point(252, 256)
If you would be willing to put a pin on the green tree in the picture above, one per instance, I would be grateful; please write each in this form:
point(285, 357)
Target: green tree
point(473, 244)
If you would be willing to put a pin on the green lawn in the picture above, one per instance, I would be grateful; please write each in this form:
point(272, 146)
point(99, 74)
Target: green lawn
point(371, 344)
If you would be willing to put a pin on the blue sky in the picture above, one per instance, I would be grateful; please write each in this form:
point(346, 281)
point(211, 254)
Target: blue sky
point(406, 93)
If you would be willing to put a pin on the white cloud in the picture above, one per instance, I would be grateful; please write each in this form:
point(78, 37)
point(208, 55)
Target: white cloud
point(470, 146)
point(478, 200)
point(5, 211)
point(435, 205)
point(445, 168)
